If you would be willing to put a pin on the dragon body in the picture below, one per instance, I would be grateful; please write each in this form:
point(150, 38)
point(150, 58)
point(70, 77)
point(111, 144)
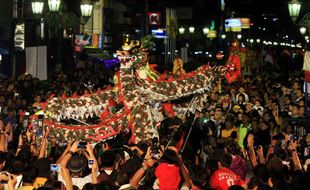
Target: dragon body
point(131, 104)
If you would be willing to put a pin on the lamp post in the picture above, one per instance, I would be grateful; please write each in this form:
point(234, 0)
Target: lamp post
point(191, 29)
point(205, 30)
point(181, 30)
point(294, 9)
point(303, 30)
point(54, 7)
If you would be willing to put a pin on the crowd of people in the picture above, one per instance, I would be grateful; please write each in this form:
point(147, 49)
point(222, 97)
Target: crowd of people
point(251, 134)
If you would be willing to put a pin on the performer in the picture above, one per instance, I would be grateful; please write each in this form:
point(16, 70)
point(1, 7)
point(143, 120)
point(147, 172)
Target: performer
point(233, 64)
point(178, 66)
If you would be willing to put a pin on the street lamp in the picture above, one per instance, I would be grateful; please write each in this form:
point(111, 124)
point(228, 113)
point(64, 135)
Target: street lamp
point(191, 29)
point(54, 5)
point(294, 8)
point(223, 36)
point(181, 30)
point(303, 30)
point(239, 36)
point(205, 30)
point(37, 7)
point(258, 40)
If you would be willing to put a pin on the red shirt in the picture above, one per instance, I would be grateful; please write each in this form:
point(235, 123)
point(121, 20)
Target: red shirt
point(223, 178)
point(168, 176)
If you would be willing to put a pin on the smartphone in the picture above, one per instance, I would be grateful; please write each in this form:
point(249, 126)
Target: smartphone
point(307, 151)
point(40, 123)
point(82, 144)
point(55, 168)
point(90, 163)
point(25, 123)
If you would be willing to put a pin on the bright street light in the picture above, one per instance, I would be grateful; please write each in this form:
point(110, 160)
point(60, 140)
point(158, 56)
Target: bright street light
point(181, 30)
point(294, 8)
point(191, 29)
point(205, 30)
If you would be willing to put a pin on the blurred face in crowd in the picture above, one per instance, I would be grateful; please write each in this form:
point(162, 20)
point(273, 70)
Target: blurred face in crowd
point(228, 125)
point(254, 124)
point(257, 103)
point(225, 105)
point(227, 96)
point(294, 109)
point(295, 86)
point(241, 90)
point(287, 100)
point(240, 99)
point(239, 116)
point(248, 107)
point(266, 116)
point(1, 126)
point(245, 119)
point(218, 114)
point(38, 98)
point(301, 103)
point(308, 139)
point(299, 93)
point(301, 110)
point(262, 126)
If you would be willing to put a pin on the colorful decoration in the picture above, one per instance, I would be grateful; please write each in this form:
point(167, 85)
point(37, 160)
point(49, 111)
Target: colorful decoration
point(134, 103)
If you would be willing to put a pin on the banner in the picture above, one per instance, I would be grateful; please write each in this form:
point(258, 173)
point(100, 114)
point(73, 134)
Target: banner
point(82, 41)
point(36, 62)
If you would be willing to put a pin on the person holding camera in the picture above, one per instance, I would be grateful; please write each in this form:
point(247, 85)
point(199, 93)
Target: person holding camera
point(73, 159)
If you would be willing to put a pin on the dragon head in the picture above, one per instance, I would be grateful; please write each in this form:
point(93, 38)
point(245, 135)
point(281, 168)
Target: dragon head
point(133, 55)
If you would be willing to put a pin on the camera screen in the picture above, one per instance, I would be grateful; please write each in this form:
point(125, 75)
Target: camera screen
point(54, 167)
point(82, 145)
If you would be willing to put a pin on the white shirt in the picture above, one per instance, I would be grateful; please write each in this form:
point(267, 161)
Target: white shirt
point(78, 181)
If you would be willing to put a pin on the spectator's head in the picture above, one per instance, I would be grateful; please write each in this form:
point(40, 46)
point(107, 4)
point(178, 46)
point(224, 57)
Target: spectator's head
point(235, 187)
point(225, 160)
point(107, 159)
point(170, 156)
point(261, 172)
point(122, 178)
point(230, 121)
point(241, 89)
point(233, 148)
point(43, 167)
point(241, 99)
point(54, 185)
point(218, 113)
point(257, 102)
point(29, 175)
point(17, 166)
point(76, 165)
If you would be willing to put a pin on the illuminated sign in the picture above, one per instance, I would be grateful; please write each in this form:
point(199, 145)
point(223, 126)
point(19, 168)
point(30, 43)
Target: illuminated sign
point(82, 41)
point(19, 37)
point(212, 34)
point(158, 33)
point(245, 23)
point(154, 18)
point(233, 24)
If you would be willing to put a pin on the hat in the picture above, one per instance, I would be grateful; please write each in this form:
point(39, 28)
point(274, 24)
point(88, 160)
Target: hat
point(236, 107)
point(76, 164)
